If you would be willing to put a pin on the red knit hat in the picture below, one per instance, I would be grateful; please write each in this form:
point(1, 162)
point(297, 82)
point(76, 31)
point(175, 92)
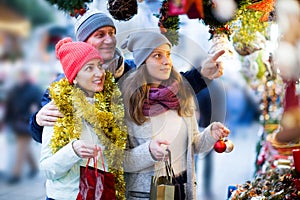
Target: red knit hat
point(73, 55)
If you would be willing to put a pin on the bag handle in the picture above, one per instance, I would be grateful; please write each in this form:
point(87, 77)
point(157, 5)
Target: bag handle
point(95, 166)
point(169, 168)
point(158, 172)
point(102, 160)
point(95, 160)
point(168, 165)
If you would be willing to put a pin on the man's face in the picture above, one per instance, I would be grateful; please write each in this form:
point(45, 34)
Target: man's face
point(104, 40)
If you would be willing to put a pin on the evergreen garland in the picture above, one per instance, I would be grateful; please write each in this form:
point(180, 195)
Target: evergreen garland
point(210, 19)
point(216, 26)
point(71, 6)
point(169, 25)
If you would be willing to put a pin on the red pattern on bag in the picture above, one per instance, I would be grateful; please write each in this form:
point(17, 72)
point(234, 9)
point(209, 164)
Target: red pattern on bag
point(96, 184)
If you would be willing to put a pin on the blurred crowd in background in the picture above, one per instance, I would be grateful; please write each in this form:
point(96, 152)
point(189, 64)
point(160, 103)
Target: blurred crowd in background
point(29, 31)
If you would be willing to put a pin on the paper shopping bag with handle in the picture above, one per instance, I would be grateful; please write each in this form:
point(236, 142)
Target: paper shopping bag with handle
point(165, 187)
point(96, 184)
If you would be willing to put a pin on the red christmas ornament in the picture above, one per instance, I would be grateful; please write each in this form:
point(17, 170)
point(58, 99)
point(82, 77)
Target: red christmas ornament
point(297, 183)
point(220, 146)
point(82, 11)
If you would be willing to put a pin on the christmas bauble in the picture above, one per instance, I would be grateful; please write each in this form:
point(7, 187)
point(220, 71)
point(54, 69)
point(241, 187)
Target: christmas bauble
point(229, 146)
point(220, 146)
point(122, 9)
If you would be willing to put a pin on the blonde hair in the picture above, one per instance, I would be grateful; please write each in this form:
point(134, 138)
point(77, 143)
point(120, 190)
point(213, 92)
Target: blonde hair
point(135, 90)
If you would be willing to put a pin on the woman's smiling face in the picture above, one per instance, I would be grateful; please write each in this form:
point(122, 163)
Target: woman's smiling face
point(91, 77)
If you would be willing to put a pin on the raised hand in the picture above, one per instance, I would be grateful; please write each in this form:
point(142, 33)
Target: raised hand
point(211, 67)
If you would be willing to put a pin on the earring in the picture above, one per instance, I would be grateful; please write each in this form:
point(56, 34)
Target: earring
point(75, 82)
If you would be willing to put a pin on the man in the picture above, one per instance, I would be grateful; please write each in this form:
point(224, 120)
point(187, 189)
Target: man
point(98, 29)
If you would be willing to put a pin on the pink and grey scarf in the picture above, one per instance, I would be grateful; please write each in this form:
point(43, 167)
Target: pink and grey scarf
point(161, 99)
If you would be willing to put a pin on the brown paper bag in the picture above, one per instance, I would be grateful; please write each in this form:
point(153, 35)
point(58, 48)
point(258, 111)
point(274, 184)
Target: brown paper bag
point(165, 192)
point(165, 187)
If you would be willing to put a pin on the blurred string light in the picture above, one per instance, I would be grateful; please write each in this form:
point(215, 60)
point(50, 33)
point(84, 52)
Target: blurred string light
point(224, 10)
point(288, 50)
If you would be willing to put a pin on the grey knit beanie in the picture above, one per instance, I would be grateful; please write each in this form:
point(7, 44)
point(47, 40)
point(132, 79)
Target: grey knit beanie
point(92, 20)
point(142, 43)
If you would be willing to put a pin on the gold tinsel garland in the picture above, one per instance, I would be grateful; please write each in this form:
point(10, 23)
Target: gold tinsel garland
point(245, 25)
point(106, 116)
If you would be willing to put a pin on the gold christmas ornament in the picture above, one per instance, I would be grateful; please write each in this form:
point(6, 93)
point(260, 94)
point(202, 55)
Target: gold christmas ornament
point(229, 146)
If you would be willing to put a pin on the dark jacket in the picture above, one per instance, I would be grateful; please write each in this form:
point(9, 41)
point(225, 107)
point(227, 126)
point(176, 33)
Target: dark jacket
point(192, 76)
point(212, 104)
point(19, 105)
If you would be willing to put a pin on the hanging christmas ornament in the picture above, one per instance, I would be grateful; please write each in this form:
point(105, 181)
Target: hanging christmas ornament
point(220, 146)
point(229, 146)
point(167, 24)
point(122, 9)
point(244, 46)
point(76, 12)
point(220, 41)
point(196, 10)
point(179, 7)
point(223, 145)
point(249, 31)
point(193, 8)
point(73, 7)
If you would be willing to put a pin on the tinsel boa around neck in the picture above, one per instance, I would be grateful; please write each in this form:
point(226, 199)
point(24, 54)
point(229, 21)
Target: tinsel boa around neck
point(106, 116)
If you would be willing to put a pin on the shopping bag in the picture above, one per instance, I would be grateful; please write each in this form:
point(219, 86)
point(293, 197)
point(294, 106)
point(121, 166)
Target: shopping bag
point(165, 192)
point(161, 188)
point(165, 187)
point(96, 184)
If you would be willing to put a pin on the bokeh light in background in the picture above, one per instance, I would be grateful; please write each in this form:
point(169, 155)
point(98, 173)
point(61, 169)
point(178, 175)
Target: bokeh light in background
point(29, 31)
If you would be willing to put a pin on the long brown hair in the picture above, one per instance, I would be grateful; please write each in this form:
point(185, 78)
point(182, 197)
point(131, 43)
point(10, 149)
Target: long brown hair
point(135, 89)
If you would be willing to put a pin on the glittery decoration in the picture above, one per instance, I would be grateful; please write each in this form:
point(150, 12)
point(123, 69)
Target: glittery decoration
point(167, 24)
point(106, 115)
point(73, 7)
point(248, 29)
point(220, 30)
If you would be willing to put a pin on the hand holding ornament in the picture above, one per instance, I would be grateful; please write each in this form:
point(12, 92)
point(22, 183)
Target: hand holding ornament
point(219, 131)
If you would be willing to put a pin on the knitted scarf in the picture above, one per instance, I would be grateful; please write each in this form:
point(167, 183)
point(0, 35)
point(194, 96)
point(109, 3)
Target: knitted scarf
point(161, 99)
